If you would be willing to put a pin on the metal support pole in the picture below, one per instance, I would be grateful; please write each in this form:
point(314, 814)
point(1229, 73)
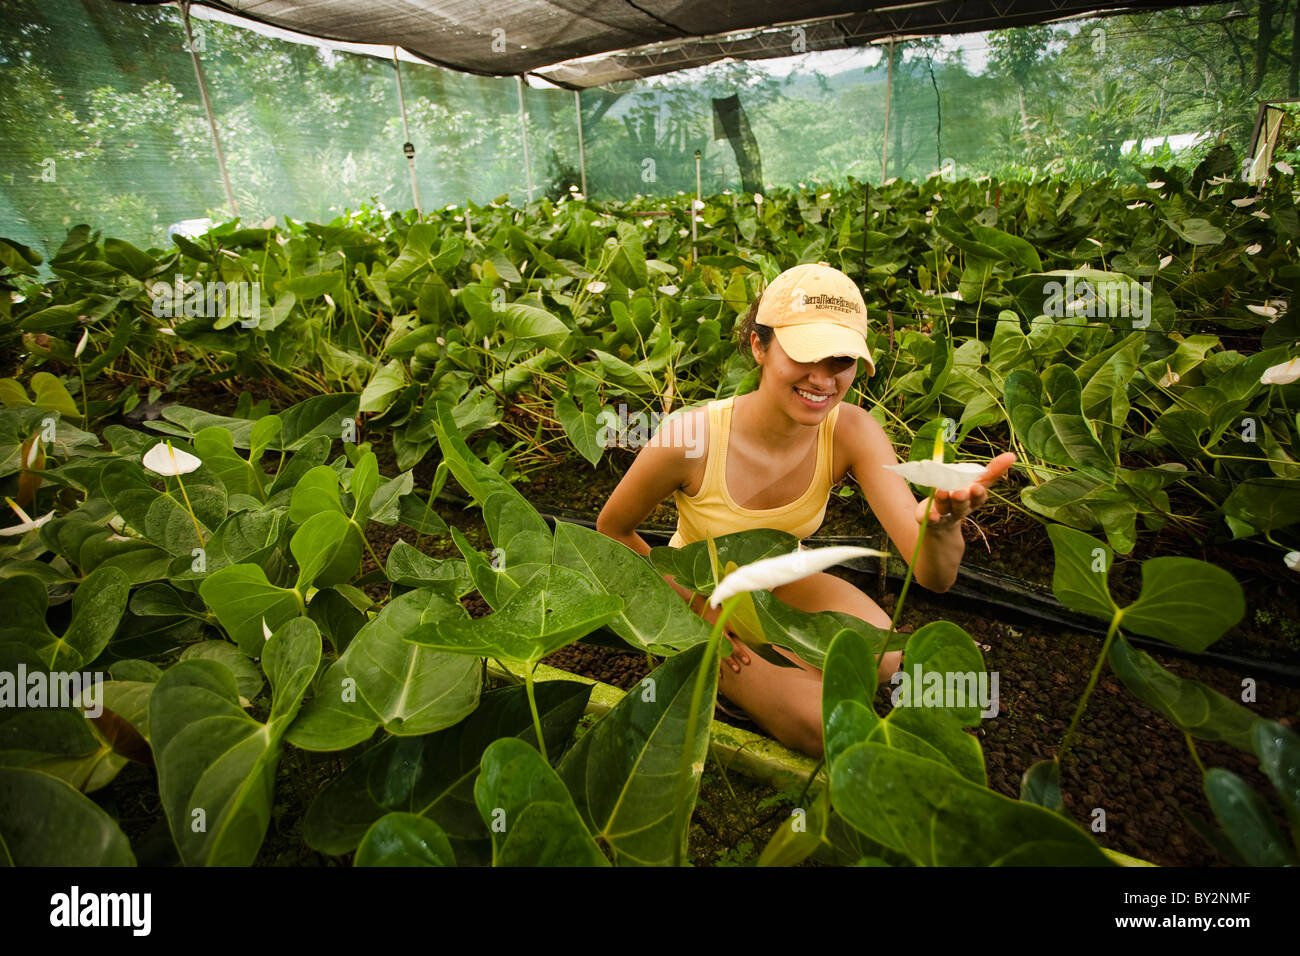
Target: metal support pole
point(889, 92)
point(523, 131)
point(408, 148)
point(695, 211)
point(207, 106)
point(582, 150)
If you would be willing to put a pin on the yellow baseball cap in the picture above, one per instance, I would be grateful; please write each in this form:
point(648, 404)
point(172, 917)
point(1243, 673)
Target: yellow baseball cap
point(816, 312)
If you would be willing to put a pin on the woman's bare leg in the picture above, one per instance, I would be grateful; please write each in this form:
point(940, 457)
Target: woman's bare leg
point(786, 702)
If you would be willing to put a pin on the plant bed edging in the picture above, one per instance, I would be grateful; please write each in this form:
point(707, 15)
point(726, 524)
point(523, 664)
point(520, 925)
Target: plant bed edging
point(753, 754)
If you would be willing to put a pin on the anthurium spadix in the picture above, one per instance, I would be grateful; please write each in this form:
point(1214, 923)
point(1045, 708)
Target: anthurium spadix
point(25, 523)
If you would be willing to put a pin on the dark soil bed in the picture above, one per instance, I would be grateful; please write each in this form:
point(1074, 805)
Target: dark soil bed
point(1126, 760)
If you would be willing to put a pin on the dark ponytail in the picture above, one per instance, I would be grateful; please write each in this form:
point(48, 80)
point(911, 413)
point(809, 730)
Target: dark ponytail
point(747, 324)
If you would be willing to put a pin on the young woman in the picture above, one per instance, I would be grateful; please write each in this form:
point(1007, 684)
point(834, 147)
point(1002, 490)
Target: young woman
point(773, 456)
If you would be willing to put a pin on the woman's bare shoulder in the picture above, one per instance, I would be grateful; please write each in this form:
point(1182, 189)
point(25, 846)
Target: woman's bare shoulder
point(857, 436)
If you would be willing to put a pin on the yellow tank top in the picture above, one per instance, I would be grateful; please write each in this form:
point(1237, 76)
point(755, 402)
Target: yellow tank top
point(713, 509)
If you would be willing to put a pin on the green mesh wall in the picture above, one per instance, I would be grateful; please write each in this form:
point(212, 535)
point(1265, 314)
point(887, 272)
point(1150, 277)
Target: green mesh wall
point(101, 119)
point(1098, 84)
point(108, 92)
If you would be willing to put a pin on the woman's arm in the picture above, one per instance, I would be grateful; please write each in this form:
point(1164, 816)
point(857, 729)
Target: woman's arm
point(892, 502)
point(658, 470)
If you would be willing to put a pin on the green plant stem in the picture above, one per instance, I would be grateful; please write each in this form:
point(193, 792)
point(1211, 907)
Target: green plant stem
point(190, 509)
point(532, 706)
point(684, 767)
point(907, 579)
point(1092, 682)
point(1195, 756)
point(85, 402)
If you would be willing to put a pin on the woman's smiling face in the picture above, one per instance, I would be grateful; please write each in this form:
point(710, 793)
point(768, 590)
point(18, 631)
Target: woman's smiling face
point(806, 390)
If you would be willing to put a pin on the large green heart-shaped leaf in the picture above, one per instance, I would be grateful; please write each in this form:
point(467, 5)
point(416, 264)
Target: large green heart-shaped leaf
point(690, 566)
point(1279, 757)
point(937, 817)
point(1247, 820)
point(1185, 602)
point(433, 775)
point(328, 548)
point(658, 621)
point(529, 812)
point(216, 764)
point(316, 491)
point(163, 519)
point(1192, 707)
point(582, 427)
point(523, 547)
point(404, 839)
point(623, 772)
point(384, 680)
point(413, 568)
point(553, 609)
point(244, 601)
point(1080, 571)
point(45, 822)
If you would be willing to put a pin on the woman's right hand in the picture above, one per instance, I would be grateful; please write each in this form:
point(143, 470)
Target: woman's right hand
point(739, 649)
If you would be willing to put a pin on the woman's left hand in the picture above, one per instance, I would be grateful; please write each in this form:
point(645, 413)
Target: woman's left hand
point(950, 507)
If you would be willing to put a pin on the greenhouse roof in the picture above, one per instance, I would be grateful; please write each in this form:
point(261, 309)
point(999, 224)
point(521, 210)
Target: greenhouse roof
point(580, 45)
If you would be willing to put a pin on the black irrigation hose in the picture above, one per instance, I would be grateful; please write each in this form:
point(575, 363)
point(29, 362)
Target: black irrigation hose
point(996, 591)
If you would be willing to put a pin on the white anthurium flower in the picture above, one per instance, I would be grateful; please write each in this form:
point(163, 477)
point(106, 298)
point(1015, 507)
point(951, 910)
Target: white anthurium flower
point(163, 459)
point(166, 330)
point(773, 572)
point(1292, 560)
point(1096, 242)
point(1261, 214)
point(26, 523)
point(1136, 205)
point(824, 196)
point(1155, 184)
point(758, 199)
point(596, 287)
point(440, 340)
point(683, 232)
point(699, 203)
point(1283, 167)
point(1283, 374)
point(1219, 180)
point(486, 344)
point(578, 197)
point(574, 189)
point(1169, 378)
point(451, 206)
point(1248, 201)
point(266, 631)
point(1265, 310)
point(81, 346)
point(32, 452)
point(1253, 249)
point(668, 289)
point(940, 475)
point(1165, 261)
point(802, 186)
point(647, 223)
